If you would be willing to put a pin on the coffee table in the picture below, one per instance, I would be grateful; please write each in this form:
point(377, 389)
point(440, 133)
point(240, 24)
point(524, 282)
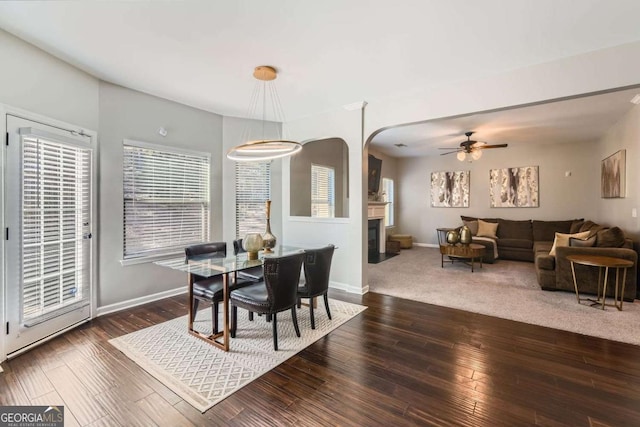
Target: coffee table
point(460, 252)
point(603, 263)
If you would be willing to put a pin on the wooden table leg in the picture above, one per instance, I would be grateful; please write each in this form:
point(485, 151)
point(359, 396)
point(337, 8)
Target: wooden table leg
point(604, 285)
point(575, 284)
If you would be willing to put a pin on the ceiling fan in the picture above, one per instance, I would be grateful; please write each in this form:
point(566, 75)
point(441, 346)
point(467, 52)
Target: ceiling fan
point(470, 149)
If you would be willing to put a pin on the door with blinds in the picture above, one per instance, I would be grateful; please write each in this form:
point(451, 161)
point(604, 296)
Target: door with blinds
point(48, 215)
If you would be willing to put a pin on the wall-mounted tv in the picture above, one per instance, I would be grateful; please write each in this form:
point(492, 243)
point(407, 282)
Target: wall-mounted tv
point(375, 170)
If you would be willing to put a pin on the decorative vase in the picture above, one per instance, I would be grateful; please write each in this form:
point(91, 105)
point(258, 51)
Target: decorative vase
point(453, 237)
point(465, 235)
point(252, 243)
point(268, 239)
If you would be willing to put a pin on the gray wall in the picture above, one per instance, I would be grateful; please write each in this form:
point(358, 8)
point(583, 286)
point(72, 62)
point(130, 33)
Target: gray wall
point(331, 152)
point(125, 113)
point(560, 197)
point(35, 81)
point(624, 135)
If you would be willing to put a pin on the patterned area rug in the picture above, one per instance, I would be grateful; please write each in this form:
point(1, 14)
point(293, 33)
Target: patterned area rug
point(203, 375)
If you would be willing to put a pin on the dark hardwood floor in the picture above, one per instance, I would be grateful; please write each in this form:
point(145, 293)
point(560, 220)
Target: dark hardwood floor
point(399, 363)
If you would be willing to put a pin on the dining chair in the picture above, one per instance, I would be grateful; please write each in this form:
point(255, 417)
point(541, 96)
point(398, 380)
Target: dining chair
point(276, 293)
point(253, 273)
point(317, 266)
point(210, 289)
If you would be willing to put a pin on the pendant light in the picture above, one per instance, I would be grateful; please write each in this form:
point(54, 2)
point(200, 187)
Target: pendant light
point(264, 149)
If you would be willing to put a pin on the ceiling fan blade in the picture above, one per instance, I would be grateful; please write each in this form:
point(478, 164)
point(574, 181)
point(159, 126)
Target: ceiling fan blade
point(445, 148)
point(493, 146)
point(451, 152)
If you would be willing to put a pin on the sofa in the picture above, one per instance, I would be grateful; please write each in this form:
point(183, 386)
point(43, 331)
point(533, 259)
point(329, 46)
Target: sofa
point(532, 241)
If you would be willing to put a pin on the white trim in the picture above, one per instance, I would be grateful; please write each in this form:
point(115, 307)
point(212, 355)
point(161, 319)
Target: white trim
point(45, 339)
point(6, 110)
point(348, 288)
point(166, 148)
point(150, 258)
point(426, 245)
point(112, 308)
point(319, 220)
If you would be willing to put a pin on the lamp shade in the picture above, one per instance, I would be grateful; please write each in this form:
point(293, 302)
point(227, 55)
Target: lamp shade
point(461, 156)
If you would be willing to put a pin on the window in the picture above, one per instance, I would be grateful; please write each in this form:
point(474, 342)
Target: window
point(387, 190)
point(166, 199)
point(322, 191)
point(253, 188)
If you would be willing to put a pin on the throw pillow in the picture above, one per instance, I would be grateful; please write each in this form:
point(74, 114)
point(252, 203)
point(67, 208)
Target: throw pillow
point(580, 243)
point(487, 229)
point(610, 238)
point(473, 226)
point(562, 239)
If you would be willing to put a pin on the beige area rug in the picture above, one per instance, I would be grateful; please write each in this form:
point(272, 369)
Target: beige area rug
point(506, 289)
point(203, 375)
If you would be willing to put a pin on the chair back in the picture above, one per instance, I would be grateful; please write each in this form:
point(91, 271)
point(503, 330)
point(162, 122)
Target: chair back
point(281, 276)
point(212, 249)
point(317, 266)
point(237, 247)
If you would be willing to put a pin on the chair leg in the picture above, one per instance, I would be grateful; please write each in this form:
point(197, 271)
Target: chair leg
point(313, 320)
point(268, 316)
point(299, 302)
point(234, 320)
point(275, 332)
point(251, 316)
point(326, 305)
point(215, 317)
point(294, 316)
point(195, 309)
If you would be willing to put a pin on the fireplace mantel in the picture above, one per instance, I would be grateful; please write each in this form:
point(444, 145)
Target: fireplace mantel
point(375, 211)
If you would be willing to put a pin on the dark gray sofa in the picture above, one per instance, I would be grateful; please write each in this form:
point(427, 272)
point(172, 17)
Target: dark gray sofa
point(531, 240)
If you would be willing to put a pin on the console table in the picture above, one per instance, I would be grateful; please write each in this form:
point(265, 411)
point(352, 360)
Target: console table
point(603, 263)
point(459, 252)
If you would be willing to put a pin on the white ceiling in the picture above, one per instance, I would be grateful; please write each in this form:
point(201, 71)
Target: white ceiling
point(583, 119)
point(329, 53)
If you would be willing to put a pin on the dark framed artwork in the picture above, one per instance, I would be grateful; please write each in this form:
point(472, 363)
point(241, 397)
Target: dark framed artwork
point(450, 189)
point(514, 187)
point(612, 176)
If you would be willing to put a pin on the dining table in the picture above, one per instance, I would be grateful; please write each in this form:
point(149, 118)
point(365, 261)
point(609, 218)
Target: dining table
point(227, 267)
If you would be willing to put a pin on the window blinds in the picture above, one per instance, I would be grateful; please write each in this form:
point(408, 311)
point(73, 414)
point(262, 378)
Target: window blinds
point(253, 188)
point(322, 191)
point(166, 199)
point(55, 225)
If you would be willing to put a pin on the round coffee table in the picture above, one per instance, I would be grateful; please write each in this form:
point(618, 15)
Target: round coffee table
point(603, 263)
point(460, 252)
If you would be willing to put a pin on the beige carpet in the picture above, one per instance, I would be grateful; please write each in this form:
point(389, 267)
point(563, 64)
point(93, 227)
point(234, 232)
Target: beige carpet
point(506, 289)
point(202, 374)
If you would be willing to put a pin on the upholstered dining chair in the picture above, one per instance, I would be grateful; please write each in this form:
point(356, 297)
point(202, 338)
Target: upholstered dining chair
point(210, 289)
point(253, 273)
point(317, 266)
point(276, 293)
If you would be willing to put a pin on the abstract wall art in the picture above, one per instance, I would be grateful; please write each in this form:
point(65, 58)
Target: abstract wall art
point(514, 187)
point(612, 178)
point(450, 189)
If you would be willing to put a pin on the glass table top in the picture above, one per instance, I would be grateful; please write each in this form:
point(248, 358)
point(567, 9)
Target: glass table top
point(207, 266)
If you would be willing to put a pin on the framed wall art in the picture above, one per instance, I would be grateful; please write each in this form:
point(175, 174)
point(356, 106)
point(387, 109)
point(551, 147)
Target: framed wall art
point(514, 187)
point(612, 177)
point(450, 189)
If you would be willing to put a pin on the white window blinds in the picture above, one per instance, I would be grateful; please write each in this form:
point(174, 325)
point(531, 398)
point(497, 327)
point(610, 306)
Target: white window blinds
point(55, 226)
point(166, 199)
point(253, 188)
point(322, 191)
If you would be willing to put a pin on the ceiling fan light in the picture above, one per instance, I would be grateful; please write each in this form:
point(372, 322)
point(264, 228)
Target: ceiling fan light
point(461, 156)
point(476, 154)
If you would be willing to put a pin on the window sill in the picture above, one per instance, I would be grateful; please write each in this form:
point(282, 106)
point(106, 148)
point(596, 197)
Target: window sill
point(149, 259)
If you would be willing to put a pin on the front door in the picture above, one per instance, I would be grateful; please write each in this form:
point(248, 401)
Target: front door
point(48, 214)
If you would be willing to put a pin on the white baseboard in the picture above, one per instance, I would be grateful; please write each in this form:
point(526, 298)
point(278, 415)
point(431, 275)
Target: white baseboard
point(427, 245)
point(112, 308)
point(348, 288)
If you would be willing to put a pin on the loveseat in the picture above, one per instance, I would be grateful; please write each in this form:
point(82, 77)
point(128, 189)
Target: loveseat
point(532, 240)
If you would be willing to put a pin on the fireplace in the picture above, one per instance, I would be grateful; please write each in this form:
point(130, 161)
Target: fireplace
point(373, 238)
